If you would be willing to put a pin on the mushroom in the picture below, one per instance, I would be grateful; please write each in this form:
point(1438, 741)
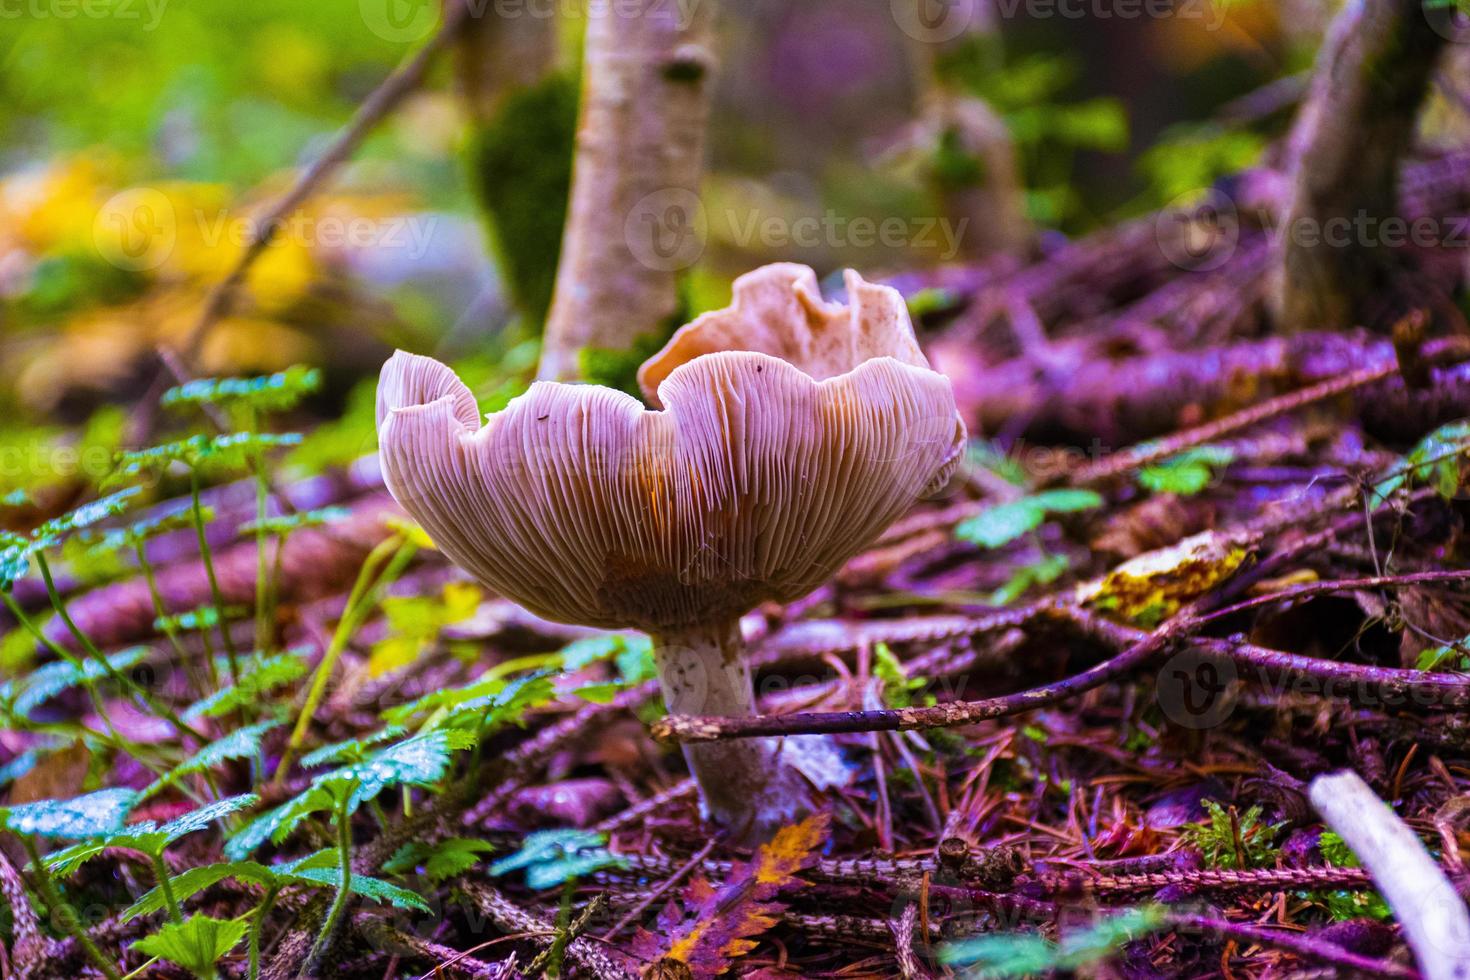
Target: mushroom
point(786, 434)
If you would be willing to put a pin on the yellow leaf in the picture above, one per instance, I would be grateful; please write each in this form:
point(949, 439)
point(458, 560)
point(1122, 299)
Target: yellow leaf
point(790, 850)
point(1150, 588)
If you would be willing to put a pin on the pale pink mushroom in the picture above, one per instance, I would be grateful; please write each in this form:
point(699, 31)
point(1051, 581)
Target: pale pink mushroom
point(788, 434)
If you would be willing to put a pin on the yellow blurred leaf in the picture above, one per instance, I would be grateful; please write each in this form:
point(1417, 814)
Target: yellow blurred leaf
point(1149, 589)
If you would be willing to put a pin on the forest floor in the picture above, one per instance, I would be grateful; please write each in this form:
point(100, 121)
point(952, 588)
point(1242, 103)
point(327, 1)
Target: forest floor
point(1199, 566)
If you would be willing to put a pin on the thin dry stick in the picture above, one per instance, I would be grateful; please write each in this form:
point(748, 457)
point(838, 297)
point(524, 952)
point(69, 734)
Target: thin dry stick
point(653, 804)
point(510, 916)
point(1444, 351)
point(446, 961)
point(691, 728)
point(1303, 947)
point(1214, 879)
point(376, 107)
point(1310, 589)
point(1138, 647)
point(659, 892)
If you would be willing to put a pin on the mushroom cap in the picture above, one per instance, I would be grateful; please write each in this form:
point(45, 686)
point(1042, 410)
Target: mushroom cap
point(776, 455)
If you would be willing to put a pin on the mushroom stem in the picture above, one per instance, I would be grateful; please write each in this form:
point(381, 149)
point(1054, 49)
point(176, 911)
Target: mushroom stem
point(744, 786)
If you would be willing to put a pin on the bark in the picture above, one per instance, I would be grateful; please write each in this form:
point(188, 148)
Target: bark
point(1371, 75)
point(633, 220)
point(744, 786)
point(496, 55)
point(1106, 403)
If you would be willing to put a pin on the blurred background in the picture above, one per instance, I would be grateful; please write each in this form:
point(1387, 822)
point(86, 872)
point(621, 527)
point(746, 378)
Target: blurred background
point(143, 137)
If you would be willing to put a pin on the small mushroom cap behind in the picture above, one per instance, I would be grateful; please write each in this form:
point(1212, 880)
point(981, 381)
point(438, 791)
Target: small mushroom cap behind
point(755, 480)
point(778, 310)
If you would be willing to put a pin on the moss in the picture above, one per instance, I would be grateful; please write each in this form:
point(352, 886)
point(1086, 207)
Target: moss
point(521, 170)
point(619, 368)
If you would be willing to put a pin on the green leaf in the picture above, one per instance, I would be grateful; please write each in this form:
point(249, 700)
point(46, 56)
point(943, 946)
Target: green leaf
point(259, 676)
point(1024, 954)
point(92, 815)
point(1436, 658)
point(989, 456)
point(1067, 501)
point(440, 862)
point(270, 393)
point(147, 836)
point(553, 857)
point(242, 743)
point(497, 700)
point(1043, 571)
point(898, 688)
point(189, 883)
point(1004, 523)
point(1187, 473)
point(15, 559)
point(47, 682)
point(283, 524)
point(605, 646)
point(419, 761)
point(118, 539)
point(51, 532)
point(64, 862)
point(1439, 459)
point(1215, 839)
point(1336, 851)
point(218, 453)
point(207, 814)
point(19, 766)
point(276, 824)
point(352, 749)
point(374, 888)
point(603, 693)
point(196, 944)
point(202, 619)
point(416, 622)
point(1001, 524)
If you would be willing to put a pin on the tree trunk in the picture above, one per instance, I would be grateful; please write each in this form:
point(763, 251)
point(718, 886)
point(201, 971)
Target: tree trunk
point(635, 220)
point(1371, 75)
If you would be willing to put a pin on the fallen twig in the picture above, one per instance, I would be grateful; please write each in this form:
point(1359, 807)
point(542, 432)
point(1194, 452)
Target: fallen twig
point(506, 914)
point(663, 889)
point(1445, 351)
point(1137, 648)
point(1302, 946)
point(380, 102)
